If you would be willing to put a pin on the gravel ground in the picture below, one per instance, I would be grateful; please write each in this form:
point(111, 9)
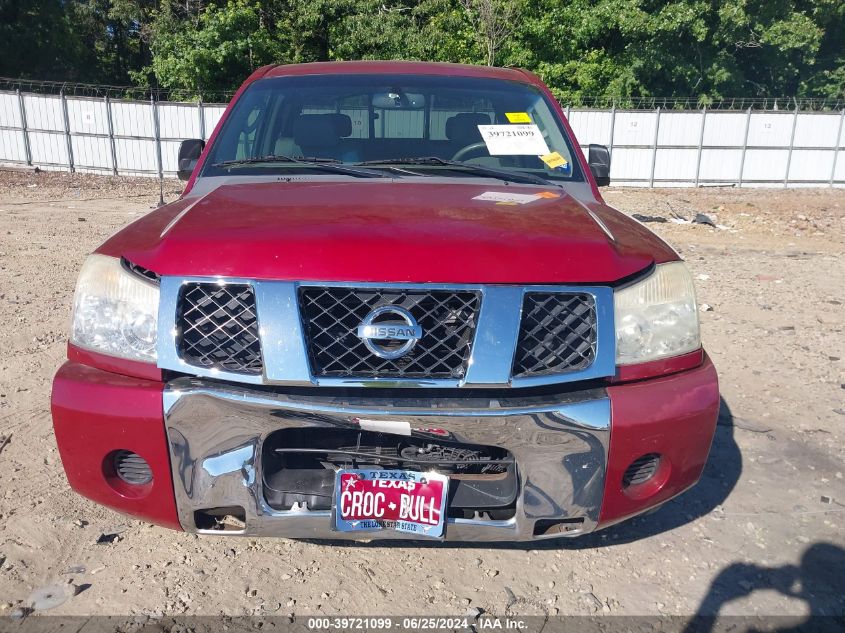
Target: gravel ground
point(762, 533)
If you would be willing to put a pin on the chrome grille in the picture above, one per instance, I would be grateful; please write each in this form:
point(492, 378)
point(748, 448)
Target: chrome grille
point(557, 334)
point(217, 327)
point(331, 316)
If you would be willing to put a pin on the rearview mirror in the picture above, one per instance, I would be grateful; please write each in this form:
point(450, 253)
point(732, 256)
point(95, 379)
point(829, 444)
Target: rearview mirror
point(189, 153)
point(599, 162)
point(395, 100)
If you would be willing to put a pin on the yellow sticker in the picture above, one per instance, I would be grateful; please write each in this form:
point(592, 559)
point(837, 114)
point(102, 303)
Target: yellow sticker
point(554, 160)
point(549, 195)
point(518, 117)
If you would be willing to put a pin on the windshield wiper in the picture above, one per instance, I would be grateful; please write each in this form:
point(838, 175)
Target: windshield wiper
point(328, 164)
point(501, 174)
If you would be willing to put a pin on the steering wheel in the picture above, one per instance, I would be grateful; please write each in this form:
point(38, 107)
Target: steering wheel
point(470, 149)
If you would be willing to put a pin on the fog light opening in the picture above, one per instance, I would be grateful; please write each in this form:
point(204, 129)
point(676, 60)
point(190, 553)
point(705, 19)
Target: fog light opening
point(642, 470)
point(131, 468)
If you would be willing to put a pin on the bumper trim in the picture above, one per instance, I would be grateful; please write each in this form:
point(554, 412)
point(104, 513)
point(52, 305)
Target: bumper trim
point(216, 432)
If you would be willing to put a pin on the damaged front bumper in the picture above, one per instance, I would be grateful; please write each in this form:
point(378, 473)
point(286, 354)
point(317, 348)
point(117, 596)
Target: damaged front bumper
point(217, 436)
point(207, 445)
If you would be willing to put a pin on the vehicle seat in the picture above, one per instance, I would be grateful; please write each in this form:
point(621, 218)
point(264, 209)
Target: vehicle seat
point(462, 129)
point(319, 135)
point(285, 146)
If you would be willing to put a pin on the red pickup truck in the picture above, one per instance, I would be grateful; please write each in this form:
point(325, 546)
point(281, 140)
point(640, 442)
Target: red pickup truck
point(391, 303)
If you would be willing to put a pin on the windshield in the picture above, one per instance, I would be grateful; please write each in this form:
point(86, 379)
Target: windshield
point(416, 122)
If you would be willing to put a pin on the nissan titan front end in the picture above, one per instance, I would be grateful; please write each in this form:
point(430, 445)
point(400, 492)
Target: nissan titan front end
point(391, 303)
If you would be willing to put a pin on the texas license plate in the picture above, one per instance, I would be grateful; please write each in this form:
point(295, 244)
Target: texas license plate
point(402, 500)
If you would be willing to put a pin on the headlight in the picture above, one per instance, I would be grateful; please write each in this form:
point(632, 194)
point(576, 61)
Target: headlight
point(657, 317)
point(114, 311)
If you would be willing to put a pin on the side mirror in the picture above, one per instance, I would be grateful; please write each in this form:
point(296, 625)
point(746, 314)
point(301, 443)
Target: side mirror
point(189, 153)
point(599, 161)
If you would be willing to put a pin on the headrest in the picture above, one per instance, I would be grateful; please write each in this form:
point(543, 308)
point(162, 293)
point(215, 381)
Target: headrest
point(463, 127)
point(321, 130)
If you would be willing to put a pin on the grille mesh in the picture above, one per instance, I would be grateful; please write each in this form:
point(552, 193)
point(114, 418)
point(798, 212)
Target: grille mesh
point(557, 334)
point(331, 317)
point(218, 328)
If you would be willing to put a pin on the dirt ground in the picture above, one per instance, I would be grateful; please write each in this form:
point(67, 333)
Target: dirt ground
point(762, 533)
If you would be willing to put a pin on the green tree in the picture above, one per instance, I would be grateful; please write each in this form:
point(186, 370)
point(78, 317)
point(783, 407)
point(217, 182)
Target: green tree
point(682, 47)
point(433, 30)
point(707, 49)
point(38, 40)
point(227, 42)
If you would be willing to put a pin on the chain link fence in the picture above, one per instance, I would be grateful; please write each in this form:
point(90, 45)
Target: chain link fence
point(804, 104)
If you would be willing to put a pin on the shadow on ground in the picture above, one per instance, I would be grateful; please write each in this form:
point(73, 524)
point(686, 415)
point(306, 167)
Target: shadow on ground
point(721, 474)
point(819, 580)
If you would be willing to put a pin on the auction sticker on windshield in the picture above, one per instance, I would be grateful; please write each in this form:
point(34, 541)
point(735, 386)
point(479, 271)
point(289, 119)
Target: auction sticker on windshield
point(401, 500)
point(513, 140)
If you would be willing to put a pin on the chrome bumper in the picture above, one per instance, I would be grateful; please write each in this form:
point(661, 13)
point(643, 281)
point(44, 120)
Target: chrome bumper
point(216, 431)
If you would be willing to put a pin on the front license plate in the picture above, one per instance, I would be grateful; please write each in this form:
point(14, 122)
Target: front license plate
point(402, 500)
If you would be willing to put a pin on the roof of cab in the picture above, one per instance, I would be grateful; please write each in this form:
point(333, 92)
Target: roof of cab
point(399, 67)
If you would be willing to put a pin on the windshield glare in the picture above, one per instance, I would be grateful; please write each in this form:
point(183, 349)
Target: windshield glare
point(363, 118)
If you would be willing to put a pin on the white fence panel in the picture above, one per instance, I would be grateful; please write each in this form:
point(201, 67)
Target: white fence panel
point(725, 129)
point(720, 165)
point(87, 116)
point(135, 156)
point(132, 119)
point(630, 164)
point(400, 123)
point(816, 130)
point(178, 120)
point(634, 128)
point(591, 124)
point(770, 129)
point(765, 165)
point(839, 172)
point(808, 165)
point(10, 110)
point(665, 147)
point(679, 128)
point(48, 148)
point(359, 118)
point(44, 113)
point(12, 146)
point(675, 165)
point(91, 153)
point(170, 156)
point(437, 124)
point(213, 114)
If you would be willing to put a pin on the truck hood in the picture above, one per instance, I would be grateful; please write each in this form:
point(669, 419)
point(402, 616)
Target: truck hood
point(389, 231)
